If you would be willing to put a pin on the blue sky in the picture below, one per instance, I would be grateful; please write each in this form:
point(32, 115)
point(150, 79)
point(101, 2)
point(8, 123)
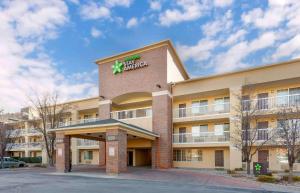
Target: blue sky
point(52, 45)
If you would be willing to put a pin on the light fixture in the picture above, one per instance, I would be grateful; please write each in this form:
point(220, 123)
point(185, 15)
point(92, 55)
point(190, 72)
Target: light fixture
point(158, 86)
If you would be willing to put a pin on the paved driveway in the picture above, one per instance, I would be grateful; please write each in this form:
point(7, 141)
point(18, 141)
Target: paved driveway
point(35, 180)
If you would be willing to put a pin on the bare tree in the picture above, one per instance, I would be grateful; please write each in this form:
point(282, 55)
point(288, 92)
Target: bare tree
point(7, 135)
point(49, 113)
point(248, 136)
point(289, 133)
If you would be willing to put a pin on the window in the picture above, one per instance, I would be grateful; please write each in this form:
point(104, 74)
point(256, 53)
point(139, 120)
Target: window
point(187, 155)
point(200, 107)
point(221, 104)
point(219, 129)
point(195, 131)
point(203, 128)
point(282, 97)
point(182, 110)
point(294, 96)
point(88, 155)
point(246, 103)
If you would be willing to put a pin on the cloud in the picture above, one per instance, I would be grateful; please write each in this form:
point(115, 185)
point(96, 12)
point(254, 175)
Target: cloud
point(234, 56)
point(25, 27)
point(155, 5)
point(123, 3)
point(288, 48)
point(220, 24)
point(95, 32)
point(132, 22)
point(188, 10)
point(94, 11)
point(222, 3)
point(199, 52)
point(235, 37)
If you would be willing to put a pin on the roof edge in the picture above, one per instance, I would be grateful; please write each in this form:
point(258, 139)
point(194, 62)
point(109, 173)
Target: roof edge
point(240, 71)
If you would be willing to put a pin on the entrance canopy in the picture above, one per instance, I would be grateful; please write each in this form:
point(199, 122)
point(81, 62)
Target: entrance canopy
point(95, 130)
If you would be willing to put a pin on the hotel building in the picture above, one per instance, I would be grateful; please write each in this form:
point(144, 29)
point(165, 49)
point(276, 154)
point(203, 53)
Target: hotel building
point(151, 113)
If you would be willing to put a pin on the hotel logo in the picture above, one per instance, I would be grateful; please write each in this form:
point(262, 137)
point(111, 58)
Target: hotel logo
point(129, 63)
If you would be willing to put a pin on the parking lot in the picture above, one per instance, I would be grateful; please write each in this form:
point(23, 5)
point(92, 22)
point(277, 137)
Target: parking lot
point(36, 180)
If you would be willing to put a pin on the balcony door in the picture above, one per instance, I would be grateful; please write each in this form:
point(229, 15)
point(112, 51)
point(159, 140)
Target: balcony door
point(262, 133)
point(182, 110)
point(262, 101)
point(182, 135)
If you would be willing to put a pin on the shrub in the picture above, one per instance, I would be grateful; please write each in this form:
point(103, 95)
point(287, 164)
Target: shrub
point(265, 178)
point(286, 170)
point(238, 169)
point(30, 159)
point(231, 172)
point(295, 178)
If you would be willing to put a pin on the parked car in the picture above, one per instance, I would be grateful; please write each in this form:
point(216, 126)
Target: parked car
point(9, 162)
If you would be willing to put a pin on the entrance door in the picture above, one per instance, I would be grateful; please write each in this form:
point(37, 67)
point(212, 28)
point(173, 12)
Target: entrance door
point(130, 158)
point(182, 110)
point(263, 156)
point(219, 158)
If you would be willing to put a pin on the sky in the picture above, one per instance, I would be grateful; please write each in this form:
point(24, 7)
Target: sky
point(51, 45)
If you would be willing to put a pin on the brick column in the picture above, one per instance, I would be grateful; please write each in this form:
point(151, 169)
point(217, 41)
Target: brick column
point(162, 125)
point(102, 152)
point(235, 155)
point(104, 109)
point(116, 151)
point(62, 152)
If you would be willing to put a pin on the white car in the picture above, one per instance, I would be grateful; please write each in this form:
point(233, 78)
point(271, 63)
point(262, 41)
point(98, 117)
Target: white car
point(9, 162)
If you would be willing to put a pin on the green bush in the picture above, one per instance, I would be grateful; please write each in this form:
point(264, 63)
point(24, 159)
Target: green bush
point(295, 178)
point(30, 159)
point(231, 172)
point(265, 178)
point(238, 169)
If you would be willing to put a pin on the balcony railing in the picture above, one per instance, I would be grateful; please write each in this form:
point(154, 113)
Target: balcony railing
point(68, 123)
point(203, 137)
point(11, 146)
point(84, 142)
point(131, 114)
point(270, 103)
point(16, 132)
point(34, 144)
point(201, 110)
point(33, 131)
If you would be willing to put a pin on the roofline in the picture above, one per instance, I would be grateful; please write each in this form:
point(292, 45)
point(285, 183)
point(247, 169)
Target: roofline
point(107, 125)
point(78, 100)
point(239, 71)
point(166, 42)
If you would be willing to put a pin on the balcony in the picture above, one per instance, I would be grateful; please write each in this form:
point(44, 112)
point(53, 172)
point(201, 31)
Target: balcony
point(16, 132)
point(16, 146)
point(33, 131)
point(35, 145)
point(87, 143)
point(202, 138)
point(214, 111)
point(68, 123)
point(132, 114)
point(272, 103)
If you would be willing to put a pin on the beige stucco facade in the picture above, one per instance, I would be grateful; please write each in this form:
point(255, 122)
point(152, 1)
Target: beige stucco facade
point(194, 118)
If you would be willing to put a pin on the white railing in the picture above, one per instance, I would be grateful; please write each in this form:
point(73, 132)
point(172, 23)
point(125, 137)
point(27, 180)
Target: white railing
point(86, 142)
point(16, 132)
point(201, 110)
point(12, 146)
point(34, 144)
point(203, 137)
point(33, 131)
point(68, 123)
point(270, 103)
point(132, 113)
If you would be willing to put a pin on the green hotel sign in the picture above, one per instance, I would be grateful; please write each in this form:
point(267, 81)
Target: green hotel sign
point(130, 63)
